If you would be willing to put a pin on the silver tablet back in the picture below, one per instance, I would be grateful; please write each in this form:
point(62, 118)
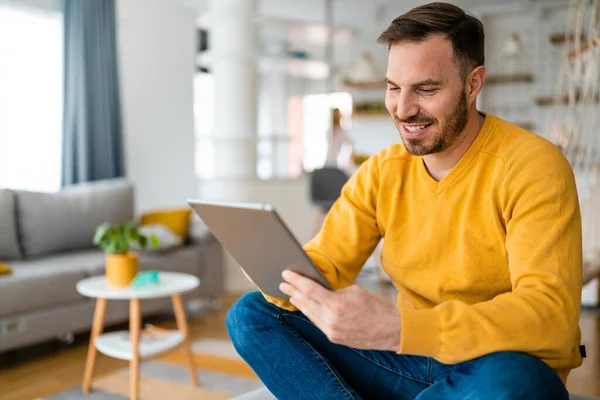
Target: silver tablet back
point(258, 239)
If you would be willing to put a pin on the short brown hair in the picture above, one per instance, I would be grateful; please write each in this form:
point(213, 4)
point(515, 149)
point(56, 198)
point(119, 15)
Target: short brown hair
point(464, 31)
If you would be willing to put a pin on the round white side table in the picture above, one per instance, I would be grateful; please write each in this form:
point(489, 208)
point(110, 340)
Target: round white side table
point(126, 345)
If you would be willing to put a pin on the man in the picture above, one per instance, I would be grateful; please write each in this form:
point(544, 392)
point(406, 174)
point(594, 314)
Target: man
point(482, 240)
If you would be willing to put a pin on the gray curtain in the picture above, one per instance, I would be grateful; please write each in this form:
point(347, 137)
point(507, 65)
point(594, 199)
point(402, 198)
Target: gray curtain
point(92, 136)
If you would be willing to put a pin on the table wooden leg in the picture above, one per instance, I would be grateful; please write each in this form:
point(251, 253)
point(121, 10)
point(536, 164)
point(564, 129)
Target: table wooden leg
point(97, 326)
point(135, 322)
point(183, 327)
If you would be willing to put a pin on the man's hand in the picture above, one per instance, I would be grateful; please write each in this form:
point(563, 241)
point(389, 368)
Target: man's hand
point(350, 316)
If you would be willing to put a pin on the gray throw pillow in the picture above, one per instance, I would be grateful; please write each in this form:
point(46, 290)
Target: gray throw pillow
point(67, 220)
point(167, 239)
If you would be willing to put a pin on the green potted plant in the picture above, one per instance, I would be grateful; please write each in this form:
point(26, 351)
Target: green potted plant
point(116, 239)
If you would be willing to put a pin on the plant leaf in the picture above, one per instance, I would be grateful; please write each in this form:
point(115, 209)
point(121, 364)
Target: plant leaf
point(101, 232)
point(111, 247)
point(123, 243)
point(114, 238)
point(143, 241)
point(154, 243)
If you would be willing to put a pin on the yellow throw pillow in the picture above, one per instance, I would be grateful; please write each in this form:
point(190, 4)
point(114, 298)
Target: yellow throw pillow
point(176, 219)
point(5, 269)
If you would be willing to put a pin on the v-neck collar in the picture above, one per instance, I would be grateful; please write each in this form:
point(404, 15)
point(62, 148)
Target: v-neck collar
point(437, 187)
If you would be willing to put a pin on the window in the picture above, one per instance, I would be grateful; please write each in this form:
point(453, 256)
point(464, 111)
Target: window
point(204, 88)
point(316, 125)
point(292, 132)
point(31, 98)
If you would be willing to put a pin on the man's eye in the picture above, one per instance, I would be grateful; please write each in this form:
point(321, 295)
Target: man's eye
point(427, 91)
point(393, 88)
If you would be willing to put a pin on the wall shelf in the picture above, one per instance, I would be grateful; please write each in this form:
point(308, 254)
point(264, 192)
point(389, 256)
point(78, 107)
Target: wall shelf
point(304, 32)
point(370, 114)
point(297, 67)
point(561, 38)
point(364, 85)
point(374, 109)
point(498, 79)
point(552, 100)
point(370, 109)
point(528, 126)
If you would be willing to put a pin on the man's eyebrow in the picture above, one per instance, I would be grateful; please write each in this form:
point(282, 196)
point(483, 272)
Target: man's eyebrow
point(426, 82)
point(386, 80)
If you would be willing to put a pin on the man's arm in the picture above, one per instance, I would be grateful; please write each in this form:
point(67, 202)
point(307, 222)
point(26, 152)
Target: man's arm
point(349, 233)
point(544, 245)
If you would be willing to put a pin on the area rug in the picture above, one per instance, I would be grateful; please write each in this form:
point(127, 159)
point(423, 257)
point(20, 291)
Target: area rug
point(222, 374)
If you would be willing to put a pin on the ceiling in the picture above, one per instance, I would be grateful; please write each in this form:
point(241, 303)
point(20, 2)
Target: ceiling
point(361, 13)
point(304, 21)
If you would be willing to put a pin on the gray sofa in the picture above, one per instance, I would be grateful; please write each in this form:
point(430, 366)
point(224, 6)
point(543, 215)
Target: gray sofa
point(46, 238)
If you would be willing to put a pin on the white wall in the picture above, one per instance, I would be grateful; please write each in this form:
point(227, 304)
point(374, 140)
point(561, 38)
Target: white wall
point(156, 45)
point(373, 134)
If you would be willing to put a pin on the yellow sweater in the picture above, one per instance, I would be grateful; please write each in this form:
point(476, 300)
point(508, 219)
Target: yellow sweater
point(488, 259)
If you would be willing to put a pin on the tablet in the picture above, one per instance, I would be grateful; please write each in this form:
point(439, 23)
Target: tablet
point(259, 240)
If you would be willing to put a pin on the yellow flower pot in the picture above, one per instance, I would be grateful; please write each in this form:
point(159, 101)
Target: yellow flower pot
point(121, 268)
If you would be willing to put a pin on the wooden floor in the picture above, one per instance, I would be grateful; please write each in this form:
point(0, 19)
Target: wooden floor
point(586, 379)
point(46, 370)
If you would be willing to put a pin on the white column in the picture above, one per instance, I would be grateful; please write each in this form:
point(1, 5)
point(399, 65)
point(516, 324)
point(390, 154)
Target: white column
point(279, 105)
point(234, 47)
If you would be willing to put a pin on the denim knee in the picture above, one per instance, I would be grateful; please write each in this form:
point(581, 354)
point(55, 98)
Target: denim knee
point(515, 375)
point(244, 317)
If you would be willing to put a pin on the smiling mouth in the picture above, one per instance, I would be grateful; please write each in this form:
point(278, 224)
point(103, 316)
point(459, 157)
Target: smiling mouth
point(416, 128)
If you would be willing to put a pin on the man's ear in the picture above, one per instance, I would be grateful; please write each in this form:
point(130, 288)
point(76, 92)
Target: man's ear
point(475, 82)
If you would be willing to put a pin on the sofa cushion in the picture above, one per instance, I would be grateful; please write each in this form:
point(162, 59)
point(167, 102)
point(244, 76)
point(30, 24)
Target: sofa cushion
point(9, 244)
point(89, 261)
point(176, 219)
point(66, 220)
point(39, 283)
point(167, 239)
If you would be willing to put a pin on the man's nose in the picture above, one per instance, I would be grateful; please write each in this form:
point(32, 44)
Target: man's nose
point(406, 107)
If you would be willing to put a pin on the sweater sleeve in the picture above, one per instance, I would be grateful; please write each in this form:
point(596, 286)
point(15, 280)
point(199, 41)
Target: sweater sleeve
point(349, 233)
point(540, 209)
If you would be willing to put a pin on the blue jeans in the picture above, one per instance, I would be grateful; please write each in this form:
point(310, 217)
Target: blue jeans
point(295, 360)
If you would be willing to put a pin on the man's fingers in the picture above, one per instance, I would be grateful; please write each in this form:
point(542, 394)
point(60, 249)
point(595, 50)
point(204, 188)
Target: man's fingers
point(302, 298)
point(298, 298)
point(287, 289)
point(311, 309)
point(307, 286)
